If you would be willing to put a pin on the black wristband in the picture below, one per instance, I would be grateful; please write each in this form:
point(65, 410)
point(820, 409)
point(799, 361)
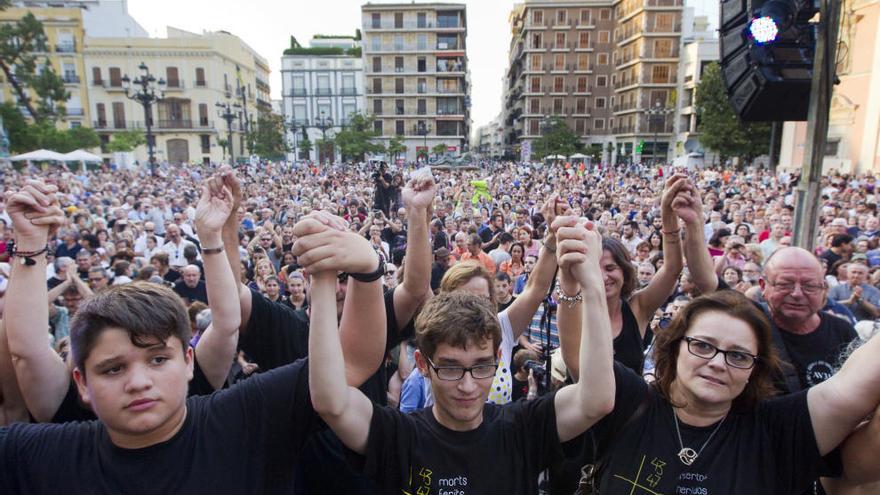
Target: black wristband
point(371, 277)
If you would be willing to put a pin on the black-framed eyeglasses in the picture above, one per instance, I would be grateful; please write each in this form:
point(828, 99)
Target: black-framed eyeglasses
point(707, 351)
point(455, 373)
point(810, 289)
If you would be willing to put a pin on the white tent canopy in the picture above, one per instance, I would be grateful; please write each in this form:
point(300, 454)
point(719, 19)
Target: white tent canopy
point(82, 156)
point(555, 157)
point(40, 155)
point(578, 156)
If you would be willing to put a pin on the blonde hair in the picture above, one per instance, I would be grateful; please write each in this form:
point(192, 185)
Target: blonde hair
point(462, 273)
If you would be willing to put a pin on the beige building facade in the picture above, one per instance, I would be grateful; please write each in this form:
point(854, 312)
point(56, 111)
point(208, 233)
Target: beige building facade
point(415, 74)
point(853, 144)
point(200, 72)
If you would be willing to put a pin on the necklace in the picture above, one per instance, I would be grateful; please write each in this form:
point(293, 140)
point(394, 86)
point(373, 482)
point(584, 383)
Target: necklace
point(687, 454)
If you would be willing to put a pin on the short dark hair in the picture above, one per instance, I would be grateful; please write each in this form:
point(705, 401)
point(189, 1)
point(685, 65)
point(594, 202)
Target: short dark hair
point(148, 312)
point(456, 318)
point(841, 239)
point(505, 237)
point(622, 259)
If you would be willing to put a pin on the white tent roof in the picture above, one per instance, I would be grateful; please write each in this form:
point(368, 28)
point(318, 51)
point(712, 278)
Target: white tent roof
point(81, 156)
point(578, 155)
point(556, 157)
point(40, 155)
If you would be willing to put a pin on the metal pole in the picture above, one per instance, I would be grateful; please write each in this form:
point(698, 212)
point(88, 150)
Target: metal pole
point(806, 206)
point(151, 158)
point(229, 117)
point(774, 138)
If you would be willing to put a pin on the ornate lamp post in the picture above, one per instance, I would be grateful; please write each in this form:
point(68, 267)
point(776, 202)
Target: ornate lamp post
point(422, 129)
point(323, 123)
point(147, 90)
point(228, 112)
point(656, 112)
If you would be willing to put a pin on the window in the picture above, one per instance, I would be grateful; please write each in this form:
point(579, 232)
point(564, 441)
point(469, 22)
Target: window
point(398, 85)
point(599, 124)
point(663, 48)
point(447, 42)
point(581, 106)
point(831, 147)
point(298, 84)
point(604, 36)
point(559, 61)
point(101, 115)
point(118, 115)
point(538, 17)
point(560, 17)
point(601, 81)
point(422, 85)
point(348, 85)
point(200, 77)
point(535, 85)
point(398, 64)
point(663, 23)
point(398, 107)
point(377, 20)
point(533, 127)
point(534, 105)
point(560, 41)
point(586, 17)
point(584, 39)
point(377, 86)
point(558, 84)
point(115, 77)
point(604, 14)
point(421, 20)
point(323, 82)
point(582, 84)
point(448, 106)
point(172, 79)
point(537, 41)
point(377, 107)
point(446, 128)
point(600, 102)
point(557, 106)
point(377, 127)
point(205, 142)
point(422, 106)
point(299, 114)
point(96, 76)
point(421, 64)
point(203, 114)
point(377, 43)
point(399, 128)
point(660, 74)
point(347, 110)
point(398, 42)
point(377, 64)
point(583, 61)
point(447, 19)
point(579, 126)
point(535, 61)
point(422, 42)
point(398, 20)
point(602, 59)
point(447, 86)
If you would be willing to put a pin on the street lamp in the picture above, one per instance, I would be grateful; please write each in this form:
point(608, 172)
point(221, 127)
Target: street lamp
point(150, 91)
point(293, 126)
point(227, 112)
point(653, 113)
point(323, 123)
point(422, 129)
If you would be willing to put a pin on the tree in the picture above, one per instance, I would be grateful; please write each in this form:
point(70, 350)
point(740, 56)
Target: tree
point(719, 127)
point(126, 141)
point(396, 147)
point(356, 139)
point(25, 137)
point(558, 139)
point(269, 139)
point(20, 42)
point(305, 146)
point(439, 149)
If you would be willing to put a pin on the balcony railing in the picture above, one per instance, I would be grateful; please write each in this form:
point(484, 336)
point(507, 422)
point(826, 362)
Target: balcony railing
point(174, 84)
point(298, 92)
point(70, 79)
point(323, 91)
point(75, 111)
point(348, 91)
point(404, 25)
point(66, 47)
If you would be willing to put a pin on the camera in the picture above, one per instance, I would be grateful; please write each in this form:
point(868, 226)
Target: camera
point(537, 368)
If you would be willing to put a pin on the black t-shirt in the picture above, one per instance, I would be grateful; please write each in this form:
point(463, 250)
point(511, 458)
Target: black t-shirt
point(628, 348)
point(197, 293)
point(770, 450)
point(831, 257)
point(72, 409)
point(241, 440)
point(171, 276)
point(816, 355)
point(413, 453)
point(502, 306)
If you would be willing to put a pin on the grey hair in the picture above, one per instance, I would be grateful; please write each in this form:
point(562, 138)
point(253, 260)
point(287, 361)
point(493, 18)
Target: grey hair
point(203, 319)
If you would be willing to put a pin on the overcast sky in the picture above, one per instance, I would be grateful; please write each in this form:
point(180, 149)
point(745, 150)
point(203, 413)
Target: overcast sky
point(266, 25)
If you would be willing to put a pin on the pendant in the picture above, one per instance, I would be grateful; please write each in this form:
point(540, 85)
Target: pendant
point(687, 455)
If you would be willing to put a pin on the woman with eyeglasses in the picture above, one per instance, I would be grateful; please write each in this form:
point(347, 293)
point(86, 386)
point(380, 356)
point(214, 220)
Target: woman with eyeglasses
point(709, 423)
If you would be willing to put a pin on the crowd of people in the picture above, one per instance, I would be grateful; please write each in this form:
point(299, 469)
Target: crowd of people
point(509, 328)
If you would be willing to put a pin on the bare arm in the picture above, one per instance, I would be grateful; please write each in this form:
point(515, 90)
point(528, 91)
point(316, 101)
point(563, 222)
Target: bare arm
point(12, 406)
point(43, 378)
point(59, 289)
point(230, 244)
point(345, 409)
point(689, 208)
point(581, 405)
point(416, 287)
point(217, 344)
point(840, 403)
point(859, 452)
point(526, 304)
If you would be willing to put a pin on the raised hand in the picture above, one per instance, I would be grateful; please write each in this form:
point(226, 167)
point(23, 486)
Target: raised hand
point(687, 204)
point(420, 190)
point(214, 208)
point(320, 247)
point(671, 189)
point(579, 248)
point(35, 213)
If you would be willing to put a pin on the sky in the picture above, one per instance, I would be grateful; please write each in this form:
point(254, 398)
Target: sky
point(266, 25)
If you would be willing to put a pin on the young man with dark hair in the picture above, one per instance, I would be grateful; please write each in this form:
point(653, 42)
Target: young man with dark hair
point(461, 442)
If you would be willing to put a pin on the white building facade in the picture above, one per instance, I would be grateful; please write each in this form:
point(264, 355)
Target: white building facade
point(699, 47)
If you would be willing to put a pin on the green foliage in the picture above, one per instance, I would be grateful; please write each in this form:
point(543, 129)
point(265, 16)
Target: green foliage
point(354, 52)
point(356, 139)
point(557, 139)
point(24, 137)
point(439, 149)
point(269, 137)
point(318, 50)
point(21, 139)
point(332, 36)
point(395, 146)
point(126, 141)
point(357, 34)
point(294, 43)
point(720, 129)
point(305, 145)
point(20, 43)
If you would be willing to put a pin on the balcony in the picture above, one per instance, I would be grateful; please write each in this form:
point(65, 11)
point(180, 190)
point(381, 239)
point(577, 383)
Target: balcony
point(174, 85)
point(70, 79)
point(446, 45)
point(75, 112)
point(174, 124)
point(446, 90)
point(323, 91)
point(66, 47)
point(114, 85)
point(201, 83)
point(449, 111)
point(348, 91)
point(298, 92)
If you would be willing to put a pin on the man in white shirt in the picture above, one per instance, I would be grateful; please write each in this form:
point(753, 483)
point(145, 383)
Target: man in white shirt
point(174, 246)
point(140, 244)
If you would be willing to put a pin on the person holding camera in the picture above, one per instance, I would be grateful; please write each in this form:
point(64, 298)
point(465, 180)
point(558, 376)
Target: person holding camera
point(382, 186)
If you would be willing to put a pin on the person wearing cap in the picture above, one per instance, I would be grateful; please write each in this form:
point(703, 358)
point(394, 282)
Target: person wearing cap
point(860, 297)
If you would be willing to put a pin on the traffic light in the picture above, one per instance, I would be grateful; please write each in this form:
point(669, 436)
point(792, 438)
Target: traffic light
point(767, 49)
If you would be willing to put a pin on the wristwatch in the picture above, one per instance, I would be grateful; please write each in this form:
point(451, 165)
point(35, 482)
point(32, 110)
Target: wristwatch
point(373, 276)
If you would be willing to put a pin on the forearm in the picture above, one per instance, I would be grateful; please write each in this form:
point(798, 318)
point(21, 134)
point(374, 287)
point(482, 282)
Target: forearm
point(859, 453)
point(327, 378)
point(417, 276)
point(362, 330)
point(59, 289)
point(537, 286)
point(230, 248)
point(699, 261)
point(568, 323)
point(596, 354)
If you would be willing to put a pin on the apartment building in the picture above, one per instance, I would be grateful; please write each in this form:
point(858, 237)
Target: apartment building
point(63, 25)
point(322, 85)
point(699, 48)
point(560, 67)
point(416, 74)
point(647, 39)
point(200, 71)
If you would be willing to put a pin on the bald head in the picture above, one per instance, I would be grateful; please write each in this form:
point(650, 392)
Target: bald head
point(791, 257)
point(191, 275)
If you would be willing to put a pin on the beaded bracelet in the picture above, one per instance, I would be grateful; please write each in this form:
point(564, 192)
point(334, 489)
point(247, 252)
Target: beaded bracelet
point(27, 257)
